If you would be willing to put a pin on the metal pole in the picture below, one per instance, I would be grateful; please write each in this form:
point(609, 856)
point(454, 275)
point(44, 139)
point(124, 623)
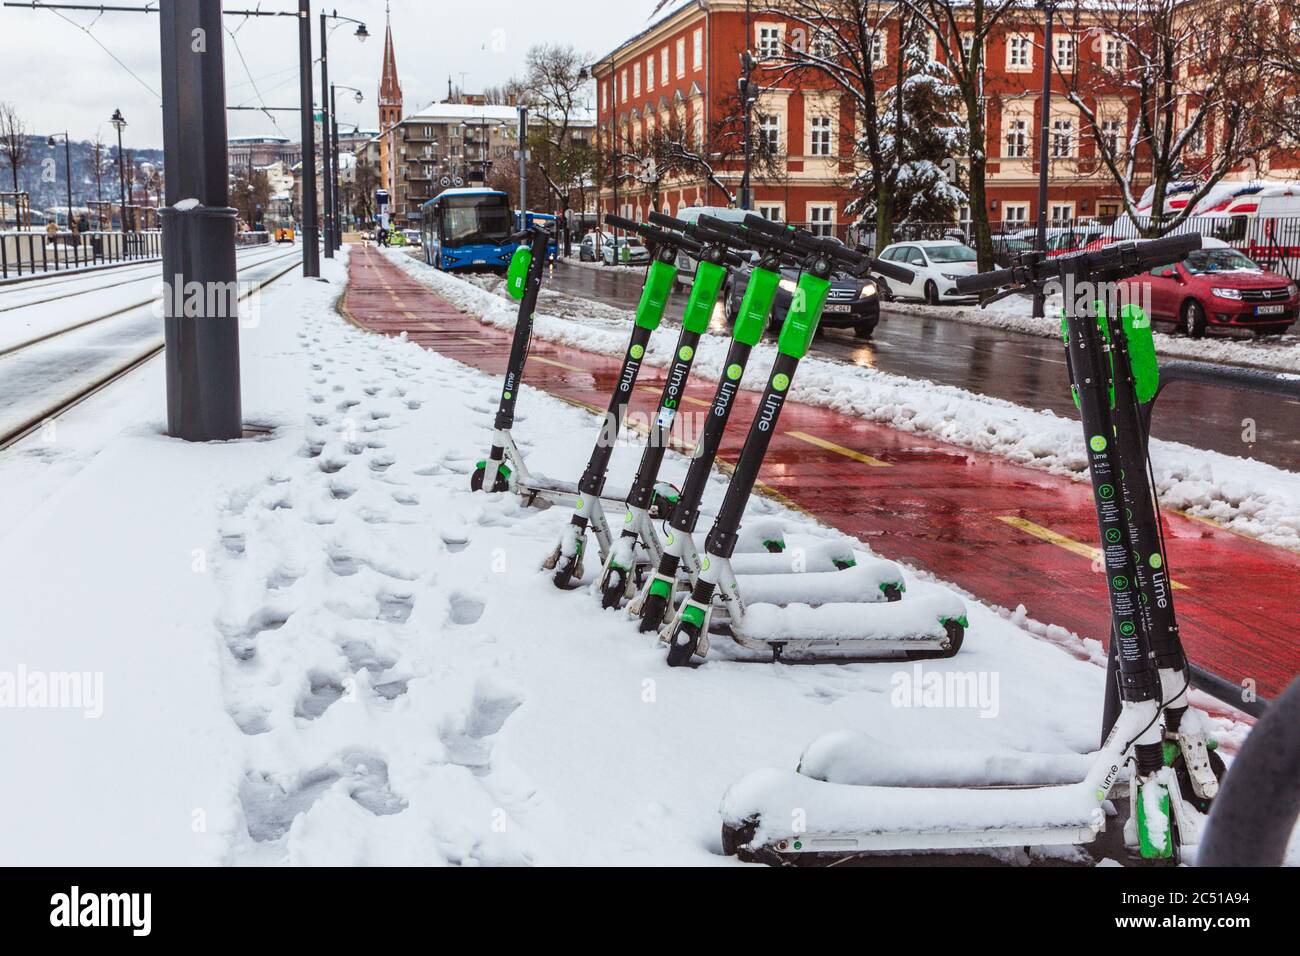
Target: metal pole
point(523, 164)
point(121, 184)
point(746, 62)
point(67, 159)
point(326, 192)
point(310, 230)
point(200, 302)
point(334, 165)
point(1044, 133)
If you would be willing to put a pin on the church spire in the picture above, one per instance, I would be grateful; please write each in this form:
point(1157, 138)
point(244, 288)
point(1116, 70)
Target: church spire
point(390, 89)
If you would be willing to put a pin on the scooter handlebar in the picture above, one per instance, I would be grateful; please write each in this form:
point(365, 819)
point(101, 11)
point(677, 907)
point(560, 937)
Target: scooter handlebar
point(1129, 258)
point(849, 259)
point(891, 270)
point(655, 235)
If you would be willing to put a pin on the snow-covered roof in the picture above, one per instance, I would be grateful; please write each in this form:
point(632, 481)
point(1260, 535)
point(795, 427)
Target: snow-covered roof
point(1220, 197)
point(458, 112)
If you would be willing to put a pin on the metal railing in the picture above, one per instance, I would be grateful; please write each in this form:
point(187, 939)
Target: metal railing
point(27, 253)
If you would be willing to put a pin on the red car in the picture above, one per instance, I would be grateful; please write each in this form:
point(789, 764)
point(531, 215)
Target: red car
point(1218, 287)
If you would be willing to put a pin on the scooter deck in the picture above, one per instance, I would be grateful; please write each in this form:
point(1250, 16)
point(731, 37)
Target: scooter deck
point(840, 631)
point(564, 492)
point(786, 813)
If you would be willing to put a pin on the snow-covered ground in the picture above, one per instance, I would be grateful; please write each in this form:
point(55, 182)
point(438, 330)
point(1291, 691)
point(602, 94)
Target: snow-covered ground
point(1015, 313)
point(1246, 496)
point(320, 647)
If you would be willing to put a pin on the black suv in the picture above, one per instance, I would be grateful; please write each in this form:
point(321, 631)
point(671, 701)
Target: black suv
point(851, 303)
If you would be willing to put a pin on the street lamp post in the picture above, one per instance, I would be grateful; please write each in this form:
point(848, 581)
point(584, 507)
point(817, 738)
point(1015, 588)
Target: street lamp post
point(336, 212)
point(310, 229)
point(746, 68)
point(119, 122)
point(327, 145)
point(67, 161)
point(1045, 108)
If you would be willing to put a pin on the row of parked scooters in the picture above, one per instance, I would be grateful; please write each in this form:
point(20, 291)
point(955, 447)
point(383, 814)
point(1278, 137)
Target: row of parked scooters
point(851, 794)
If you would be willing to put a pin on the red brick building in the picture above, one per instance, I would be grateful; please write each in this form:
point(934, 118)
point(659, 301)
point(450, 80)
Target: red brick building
point(685, 68)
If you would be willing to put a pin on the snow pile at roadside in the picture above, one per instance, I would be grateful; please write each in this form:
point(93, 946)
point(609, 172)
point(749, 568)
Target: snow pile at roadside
point(1246, 496)
point(1015, 314)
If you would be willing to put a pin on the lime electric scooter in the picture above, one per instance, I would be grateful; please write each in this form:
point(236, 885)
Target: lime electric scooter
point(852, 795)
point(804, 616)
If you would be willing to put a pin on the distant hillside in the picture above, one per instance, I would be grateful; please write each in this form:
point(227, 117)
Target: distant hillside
point(35, 174)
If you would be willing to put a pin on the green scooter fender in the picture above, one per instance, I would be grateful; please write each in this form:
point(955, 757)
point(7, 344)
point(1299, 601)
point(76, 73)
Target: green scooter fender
point(803, 315)
point(756, 306)
point(654, 294)
point(709, 277)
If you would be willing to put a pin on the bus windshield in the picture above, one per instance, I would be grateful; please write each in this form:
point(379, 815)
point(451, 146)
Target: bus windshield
point(467, 220)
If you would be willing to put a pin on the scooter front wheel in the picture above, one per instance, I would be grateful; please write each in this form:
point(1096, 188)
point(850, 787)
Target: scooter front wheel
point(683, 644)
point(653, 610)
point(476, 480)
point(612, 587)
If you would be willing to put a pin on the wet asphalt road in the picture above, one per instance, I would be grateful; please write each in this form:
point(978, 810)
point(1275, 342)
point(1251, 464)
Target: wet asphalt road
point(1028, 370)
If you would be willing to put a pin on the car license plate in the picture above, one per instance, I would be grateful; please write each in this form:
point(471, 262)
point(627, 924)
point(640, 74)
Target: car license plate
point(837, 308)
point(1270, 309)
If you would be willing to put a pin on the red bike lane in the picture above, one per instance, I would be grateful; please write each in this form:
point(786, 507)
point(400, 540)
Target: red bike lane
point(1010, 535)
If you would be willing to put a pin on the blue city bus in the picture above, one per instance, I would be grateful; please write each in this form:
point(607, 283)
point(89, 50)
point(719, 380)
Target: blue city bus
point(547, 220)
point(467, 228)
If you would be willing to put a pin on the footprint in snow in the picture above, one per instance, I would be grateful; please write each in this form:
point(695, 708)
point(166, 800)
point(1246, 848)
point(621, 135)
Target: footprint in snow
point(270, 807)
point(465, 609)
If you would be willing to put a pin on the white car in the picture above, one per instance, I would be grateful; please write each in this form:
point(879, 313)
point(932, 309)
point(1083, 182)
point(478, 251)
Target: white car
point(935, 265)
point(630, 251)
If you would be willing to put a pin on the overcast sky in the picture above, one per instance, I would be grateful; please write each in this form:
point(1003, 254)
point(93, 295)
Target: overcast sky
point(60, 78)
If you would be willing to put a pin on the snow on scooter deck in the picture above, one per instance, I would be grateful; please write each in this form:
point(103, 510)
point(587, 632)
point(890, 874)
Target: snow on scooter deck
point(789, 813)
point(858, 759)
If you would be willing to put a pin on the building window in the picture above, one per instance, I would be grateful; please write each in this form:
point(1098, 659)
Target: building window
point(663, 67)
point(823, 46)
point(1020, 53)
point(1113, 53)
point(821, 219)
point(1107, 212)
point(650, 72)
point(1062, 138)
point(1196, 140)
point(967, 44)
point(819, 136)
point(877, 49)
point(604, 96)
point(636, 79)
point(1061, 214)
point(772, 212)
point(1017, 139)
point(681, 56)
point(769, 41)
point(1110, 134)
point(697, 50)
point(769, 131)
point(623, 98)
point(1014, 214)
point(1065, 52)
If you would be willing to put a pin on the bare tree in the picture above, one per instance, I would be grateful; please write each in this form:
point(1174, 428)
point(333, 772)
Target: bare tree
point(1194, 99)
point(250, 193)
point(1275, 45)
point(841, 41)
point(961, 29)
point(556, 85)
point(13, 139)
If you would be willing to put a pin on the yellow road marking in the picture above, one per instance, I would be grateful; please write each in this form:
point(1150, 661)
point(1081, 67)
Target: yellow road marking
point(1061, 541)
point(546, 361)
point(839, 449)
